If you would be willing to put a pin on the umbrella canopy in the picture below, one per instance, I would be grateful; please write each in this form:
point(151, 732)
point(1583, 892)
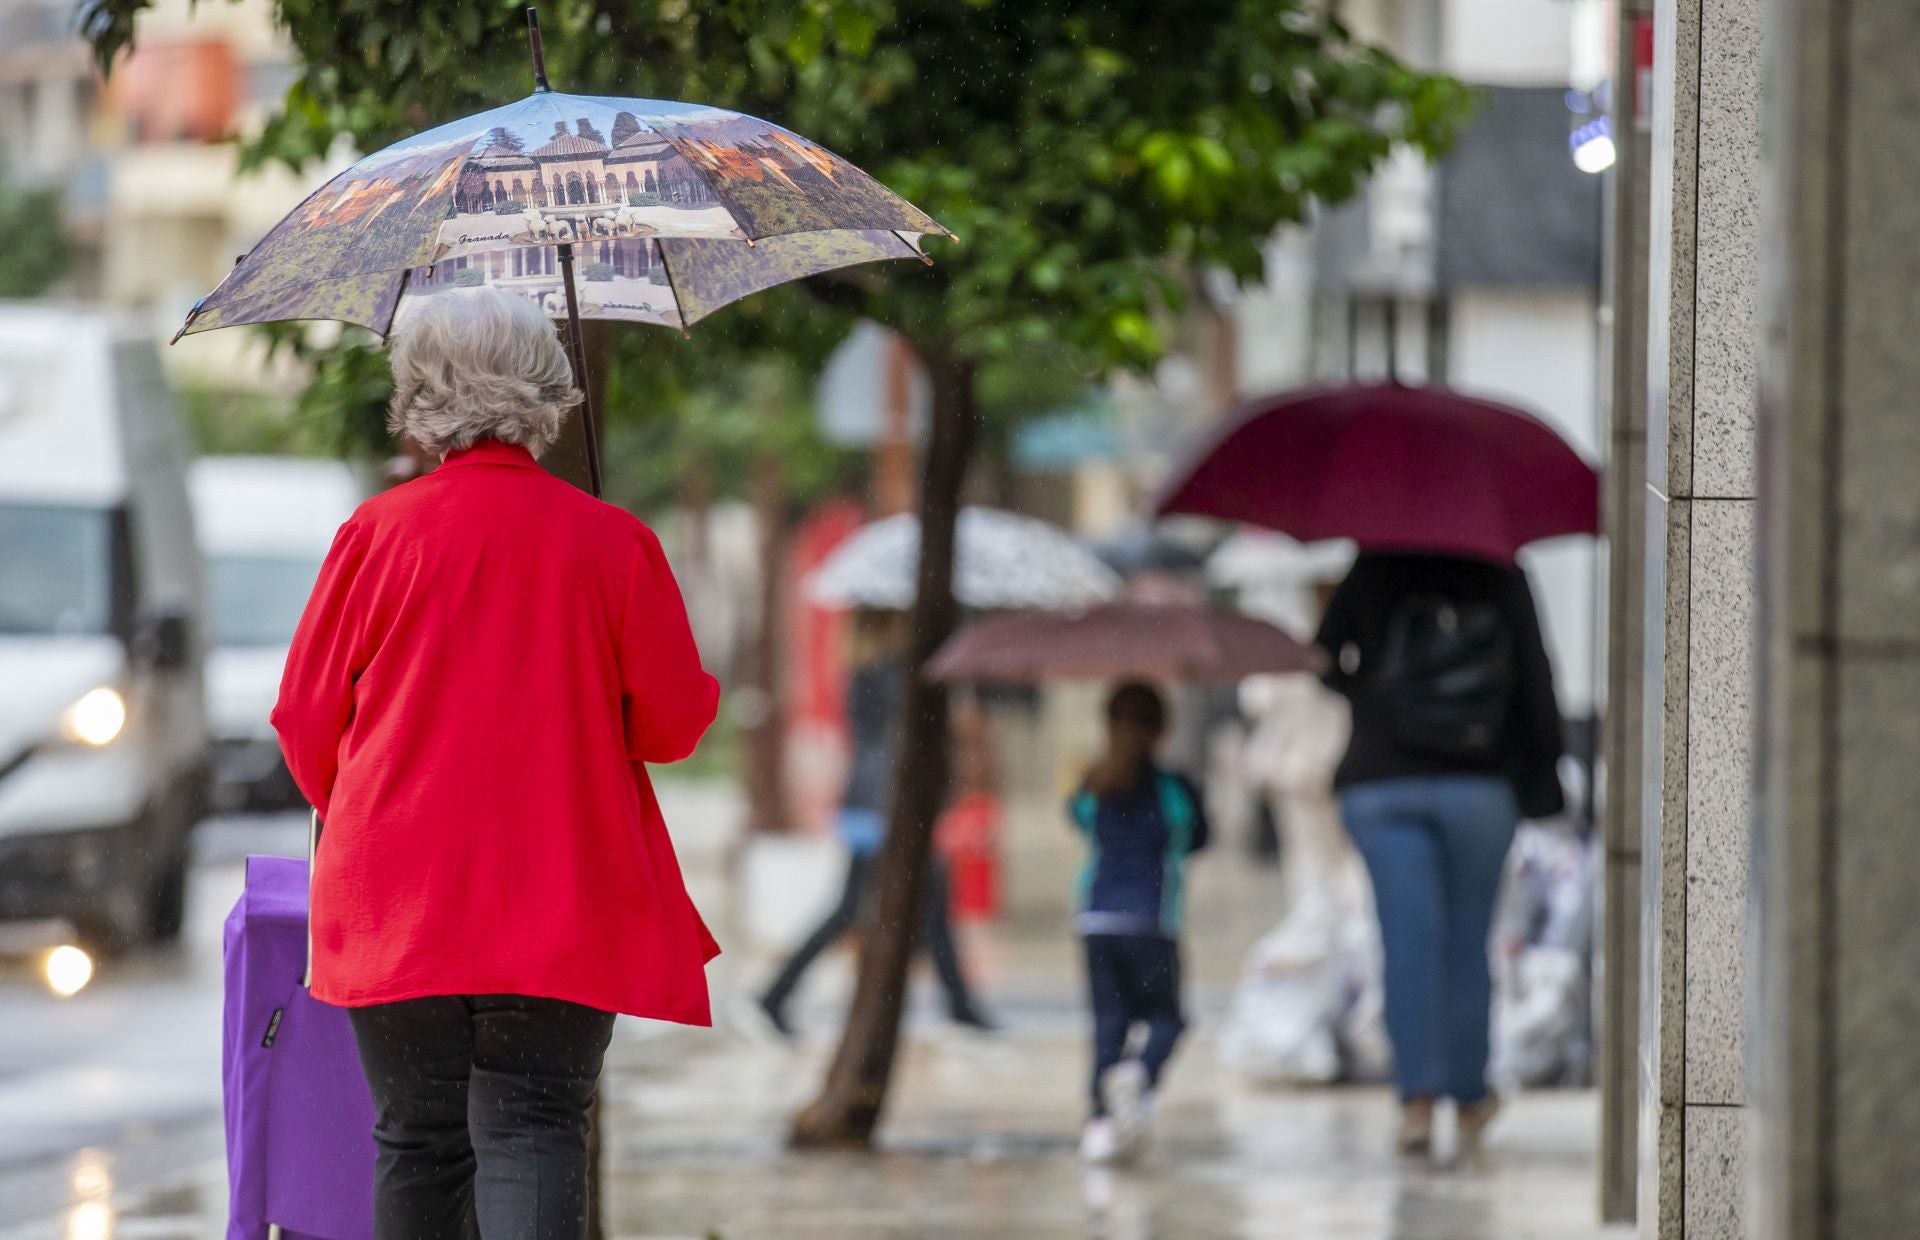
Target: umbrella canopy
point(1393, 468)
point(1171, 641)
point(674, 209)
point(1002, 562)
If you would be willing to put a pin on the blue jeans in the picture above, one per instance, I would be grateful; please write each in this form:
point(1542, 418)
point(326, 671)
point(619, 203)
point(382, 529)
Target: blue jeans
point(1436, 847)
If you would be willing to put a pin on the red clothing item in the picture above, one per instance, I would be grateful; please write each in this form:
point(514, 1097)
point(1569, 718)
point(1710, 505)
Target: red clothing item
point(488, 658)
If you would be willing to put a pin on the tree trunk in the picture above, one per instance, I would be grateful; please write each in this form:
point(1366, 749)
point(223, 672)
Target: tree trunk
point(766, 739)
point(849, 1106)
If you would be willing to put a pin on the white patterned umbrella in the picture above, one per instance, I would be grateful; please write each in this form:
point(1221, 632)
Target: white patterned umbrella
point(1004, 561)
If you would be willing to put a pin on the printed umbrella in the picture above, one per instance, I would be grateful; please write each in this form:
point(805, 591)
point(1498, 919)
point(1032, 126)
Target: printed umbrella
point(1172, 641)
point(672, 209)
point(1001, 561)
point(1394, 468)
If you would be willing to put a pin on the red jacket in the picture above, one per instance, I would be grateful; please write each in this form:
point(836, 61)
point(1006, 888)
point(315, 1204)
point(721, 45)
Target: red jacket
point(488, 658)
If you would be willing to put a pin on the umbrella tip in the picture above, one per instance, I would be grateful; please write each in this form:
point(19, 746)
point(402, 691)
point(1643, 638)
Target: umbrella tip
point(192, 314)
point(539, 52)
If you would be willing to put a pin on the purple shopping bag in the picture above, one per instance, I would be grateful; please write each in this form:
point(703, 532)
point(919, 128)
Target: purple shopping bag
point(299, 1116)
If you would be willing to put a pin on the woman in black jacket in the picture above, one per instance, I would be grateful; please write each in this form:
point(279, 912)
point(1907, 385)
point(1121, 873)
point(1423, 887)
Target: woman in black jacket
point(1456, 737)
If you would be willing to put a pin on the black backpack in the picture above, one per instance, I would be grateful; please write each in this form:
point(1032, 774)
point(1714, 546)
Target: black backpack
point(1446, 675)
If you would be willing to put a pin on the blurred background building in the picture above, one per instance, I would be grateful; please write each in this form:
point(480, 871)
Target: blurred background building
point(145, 164)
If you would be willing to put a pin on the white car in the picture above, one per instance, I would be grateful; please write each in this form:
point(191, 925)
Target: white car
point(103, 737)
point(265, 523)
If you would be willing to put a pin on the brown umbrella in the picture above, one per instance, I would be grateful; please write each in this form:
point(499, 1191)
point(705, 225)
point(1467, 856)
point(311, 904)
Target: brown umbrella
point(1172, 641)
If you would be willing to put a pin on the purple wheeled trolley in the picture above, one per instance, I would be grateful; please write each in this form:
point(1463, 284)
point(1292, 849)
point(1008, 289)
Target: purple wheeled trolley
point(299, 1117)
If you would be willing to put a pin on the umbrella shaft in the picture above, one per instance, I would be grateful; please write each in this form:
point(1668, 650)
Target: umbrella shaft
point(577, 354)
point(539, 50)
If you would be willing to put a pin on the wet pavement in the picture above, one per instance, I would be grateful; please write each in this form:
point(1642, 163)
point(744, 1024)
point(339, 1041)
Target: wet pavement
point(981, 1143)
point(109, 1115)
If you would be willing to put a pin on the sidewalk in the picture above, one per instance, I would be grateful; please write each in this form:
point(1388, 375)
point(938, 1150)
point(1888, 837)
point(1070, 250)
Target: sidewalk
point(981, 1138)
point(980, 1141)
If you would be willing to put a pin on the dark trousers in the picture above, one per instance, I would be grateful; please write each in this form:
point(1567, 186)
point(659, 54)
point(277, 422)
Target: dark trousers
point(481, 1104)
point(1132, 979)
point(936, 936)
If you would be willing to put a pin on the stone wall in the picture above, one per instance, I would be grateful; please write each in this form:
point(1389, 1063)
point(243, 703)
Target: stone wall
point(1621, 716)
point(1700, 615)
point(1837, 1103)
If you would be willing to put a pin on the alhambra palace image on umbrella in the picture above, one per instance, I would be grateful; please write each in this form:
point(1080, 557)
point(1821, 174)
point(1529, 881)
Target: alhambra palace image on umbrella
point(673, 209)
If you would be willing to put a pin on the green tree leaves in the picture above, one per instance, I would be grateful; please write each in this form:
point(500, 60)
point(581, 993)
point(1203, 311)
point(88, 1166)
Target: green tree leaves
point(1082, 148)
point(33, 247)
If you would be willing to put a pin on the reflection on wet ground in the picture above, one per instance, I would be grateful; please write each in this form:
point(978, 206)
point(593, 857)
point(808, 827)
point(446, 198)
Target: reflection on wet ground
point(981, 1143)
point(978, 1150)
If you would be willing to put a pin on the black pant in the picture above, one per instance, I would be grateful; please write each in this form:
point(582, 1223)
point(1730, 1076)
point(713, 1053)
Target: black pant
point(936, 935)
point(482, 1115)
point(1132, 979)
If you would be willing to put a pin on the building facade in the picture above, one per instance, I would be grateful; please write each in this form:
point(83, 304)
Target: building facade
point(151, 200)
point(580, 168)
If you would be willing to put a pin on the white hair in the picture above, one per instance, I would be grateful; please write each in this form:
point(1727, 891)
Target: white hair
point(474, 364)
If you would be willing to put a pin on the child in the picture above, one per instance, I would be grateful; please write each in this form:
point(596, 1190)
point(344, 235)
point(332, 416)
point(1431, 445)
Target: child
point(1141, 823)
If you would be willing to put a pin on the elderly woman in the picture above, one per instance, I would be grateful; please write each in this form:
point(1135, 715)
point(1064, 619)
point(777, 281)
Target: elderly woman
point(488, 659)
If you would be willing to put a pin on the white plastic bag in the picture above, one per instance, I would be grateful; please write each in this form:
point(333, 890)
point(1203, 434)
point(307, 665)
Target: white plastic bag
point(1280, 1028)
point(1542, 945)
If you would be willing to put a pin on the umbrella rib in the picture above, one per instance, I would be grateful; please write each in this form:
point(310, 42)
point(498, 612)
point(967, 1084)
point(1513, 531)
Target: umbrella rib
point(673, 289)
point(406, 277)
point(924, 258)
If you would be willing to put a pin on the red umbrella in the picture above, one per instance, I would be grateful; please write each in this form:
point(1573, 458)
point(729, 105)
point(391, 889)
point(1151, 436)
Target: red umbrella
point(1393, 468)
point(1171, 641)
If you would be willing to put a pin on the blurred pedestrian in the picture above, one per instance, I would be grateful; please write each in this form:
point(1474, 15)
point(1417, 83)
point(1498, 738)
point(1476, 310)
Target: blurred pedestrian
point(487, 659)
point(1456, 736)
point(1141, 823)
point(876, 692)
point(966, 838)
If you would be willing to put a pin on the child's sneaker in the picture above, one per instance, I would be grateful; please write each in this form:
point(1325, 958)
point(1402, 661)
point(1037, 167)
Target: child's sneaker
point(1098, 1143)
point(1415, 1137)
point(1123, 1088)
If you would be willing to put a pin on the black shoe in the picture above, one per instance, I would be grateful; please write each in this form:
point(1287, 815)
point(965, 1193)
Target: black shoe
point(975, 1019)
point(777, 1018)
point(759, 1020)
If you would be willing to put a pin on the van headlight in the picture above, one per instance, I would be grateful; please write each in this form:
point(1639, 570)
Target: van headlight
point(96, 719)
point(67, 970)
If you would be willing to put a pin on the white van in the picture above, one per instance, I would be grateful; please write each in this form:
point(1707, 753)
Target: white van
point(265, 523)
point(103, 735)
